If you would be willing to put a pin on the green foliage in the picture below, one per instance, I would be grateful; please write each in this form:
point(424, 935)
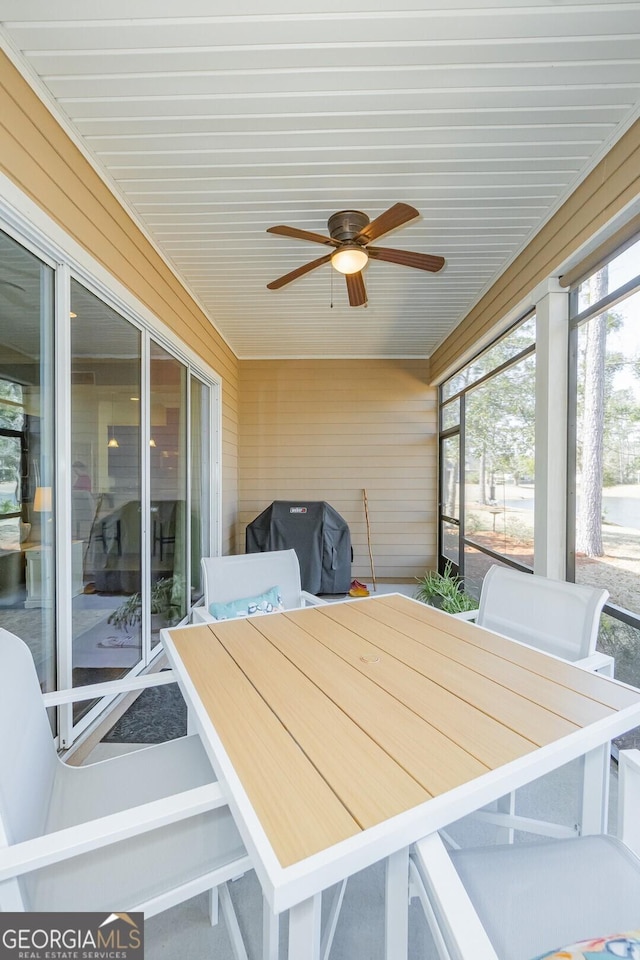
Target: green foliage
point(622, 642)
point(518, 530)
point(472, 523)
point(500, 422)
point(165, 599)
point(444, 590)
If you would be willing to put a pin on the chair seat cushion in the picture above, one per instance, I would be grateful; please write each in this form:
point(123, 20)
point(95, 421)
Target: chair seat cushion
point(533, 896)
point(617, 944)
point(122, 875)
point(268, 602)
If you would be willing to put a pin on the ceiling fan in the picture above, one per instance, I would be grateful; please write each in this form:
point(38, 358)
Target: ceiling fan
point(350, 233)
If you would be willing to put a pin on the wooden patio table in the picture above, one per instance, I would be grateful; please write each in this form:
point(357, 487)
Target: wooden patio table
point(344, 733)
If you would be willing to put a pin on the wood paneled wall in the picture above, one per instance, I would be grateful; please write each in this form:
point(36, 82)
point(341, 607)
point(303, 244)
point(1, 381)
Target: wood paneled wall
point(608, 189)
point(326, 430)
point(39, 157)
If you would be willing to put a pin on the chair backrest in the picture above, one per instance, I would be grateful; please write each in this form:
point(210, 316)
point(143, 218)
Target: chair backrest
point(250, 574)
point(28, 758)
point(553, 615)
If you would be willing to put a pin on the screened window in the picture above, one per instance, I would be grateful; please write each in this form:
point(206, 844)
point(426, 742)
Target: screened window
point(604, 509)
point(487, 459)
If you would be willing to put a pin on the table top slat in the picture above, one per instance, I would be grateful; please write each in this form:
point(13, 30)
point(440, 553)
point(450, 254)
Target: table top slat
point(432, 758)
point(369, 782)
point(519, 713)
point(614, 695)
point(489, 741)
point(263, 754)
point(567, 703)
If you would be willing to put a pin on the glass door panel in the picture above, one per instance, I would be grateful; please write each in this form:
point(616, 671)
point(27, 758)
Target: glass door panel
point(27, 521)
point(168, 455)
point(200, 482)
point(106, 492)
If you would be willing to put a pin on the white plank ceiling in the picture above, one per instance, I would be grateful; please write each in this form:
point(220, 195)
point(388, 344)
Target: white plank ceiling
point(216, 119)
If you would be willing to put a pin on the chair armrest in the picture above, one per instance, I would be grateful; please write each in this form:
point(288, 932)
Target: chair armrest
point(42, 851)
point(597, 663)
point(310, 600)
point(110, 688)
point(443, 896)
point(201, 615)
point(466, 615)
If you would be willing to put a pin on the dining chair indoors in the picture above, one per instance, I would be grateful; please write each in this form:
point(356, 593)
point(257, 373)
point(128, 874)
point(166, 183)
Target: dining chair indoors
point(555, 616)
point(519, 901)
point(250, 575)
point(139, 832)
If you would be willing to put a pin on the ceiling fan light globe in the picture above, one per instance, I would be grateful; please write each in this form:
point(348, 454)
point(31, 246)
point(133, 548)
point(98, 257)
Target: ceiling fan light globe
point(350, 258)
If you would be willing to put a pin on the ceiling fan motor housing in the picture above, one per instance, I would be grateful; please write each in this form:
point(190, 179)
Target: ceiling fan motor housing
point(346, 224)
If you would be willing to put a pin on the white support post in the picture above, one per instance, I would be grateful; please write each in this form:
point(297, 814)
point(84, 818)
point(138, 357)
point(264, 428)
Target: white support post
point(505, 805)
point(397, 906)
point(304, 929)
point(213, 906)
point(270, 932)
point(233, 928)
point(552, 349)
point(629, 798)
point(595, 791)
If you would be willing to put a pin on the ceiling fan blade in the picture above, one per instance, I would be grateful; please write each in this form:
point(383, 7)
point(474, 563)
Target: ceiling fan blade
point(298, 272)
point(394, 217)
point(356, 289)
point(283, 231)
point(422, 261)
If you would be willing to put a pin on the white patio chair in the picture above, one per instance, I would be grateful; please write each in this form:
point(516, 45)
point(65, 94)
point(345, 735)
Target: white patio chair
point(552, 615)
point(139, 832)
point(250, 574)
point(518, 901)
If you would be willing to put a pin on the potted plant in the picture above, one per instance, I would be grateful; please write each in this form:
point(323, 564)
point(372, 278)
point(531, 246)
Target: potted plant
point(444, 590)
point(165, 606)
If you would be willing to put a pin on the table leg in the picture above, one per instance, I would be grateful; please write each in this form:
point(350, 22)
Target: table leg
point(270, 932)
point(304, 929)
point(595, 790)
point(397, 906)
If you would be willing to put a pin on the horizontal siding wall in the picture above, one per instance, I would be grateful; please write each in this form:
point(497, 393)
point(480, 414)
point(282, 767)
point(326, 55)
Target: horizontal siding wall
point(608, 189)
point(39, 157)
point(326, 430)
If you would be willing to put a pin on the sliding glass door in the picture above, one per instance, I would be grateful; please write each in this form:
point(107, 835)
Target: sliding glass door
point(106, 463)
point(168, 485)
point(27, 481)
point(106, 491)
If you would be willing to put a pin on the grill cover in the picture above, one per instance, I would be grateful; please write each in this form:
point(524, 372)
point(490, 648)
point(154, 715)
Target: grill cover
point(318, 534)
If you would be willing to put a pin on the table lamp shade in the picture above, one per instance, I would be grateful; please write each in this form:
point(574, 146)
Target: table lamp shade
point(42, 500)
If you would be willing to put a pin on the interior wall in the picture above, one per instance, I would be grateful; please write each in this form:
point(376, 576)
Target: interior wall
point(610, 187)
point(327, 430)
point(39, 157)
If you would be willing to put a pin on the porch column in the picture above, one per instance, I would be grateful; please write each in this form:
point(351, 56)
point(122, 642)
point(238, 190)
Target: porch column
point(552, 348)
